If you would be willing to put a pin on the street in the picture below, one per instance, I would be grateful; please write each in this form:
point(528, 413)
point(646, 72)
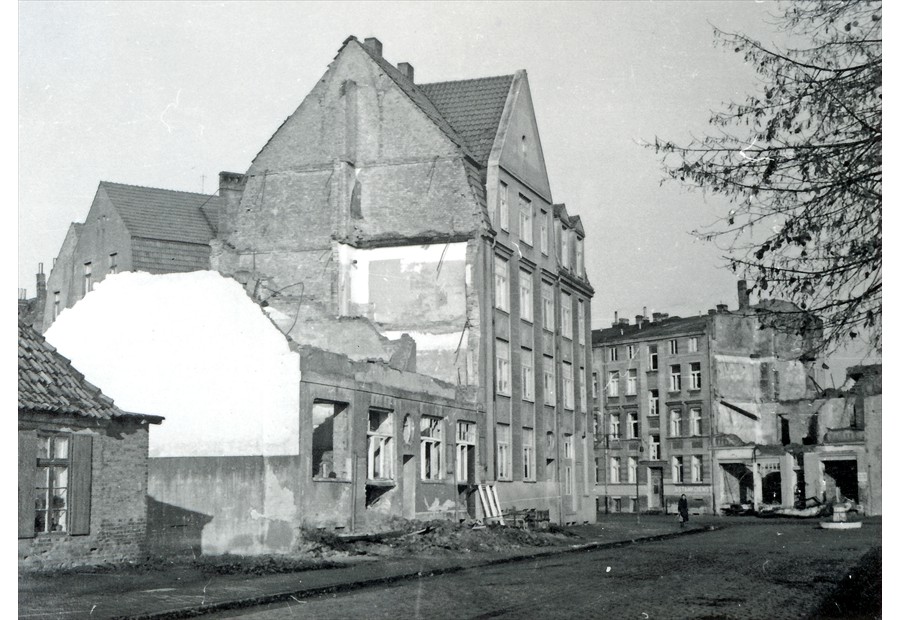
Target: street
point(749, 569)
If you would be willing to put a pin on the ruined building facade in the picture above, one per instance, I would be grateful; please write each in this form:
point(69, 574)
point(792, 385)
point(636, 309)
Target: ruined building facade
point(691, 406)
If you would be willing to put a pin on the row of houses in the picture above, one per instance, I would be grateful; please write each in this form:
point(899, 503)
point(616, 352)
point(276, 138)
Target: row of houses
point(427, 313)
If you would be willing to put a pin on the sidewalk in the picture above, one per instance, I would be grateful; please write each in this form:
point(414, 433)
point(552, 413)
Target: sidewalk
point(186, 591)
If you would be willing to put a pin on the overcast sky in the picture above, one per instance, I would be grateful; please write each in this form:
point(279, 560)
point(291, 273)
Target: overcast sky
point(169, 94)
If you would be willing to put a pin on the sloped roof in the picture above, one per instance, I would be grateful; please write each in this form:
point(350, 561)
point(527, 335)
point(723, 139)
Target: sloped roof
point(672, 326)
point(48, 383)
point(164, 214)
point(473, 108)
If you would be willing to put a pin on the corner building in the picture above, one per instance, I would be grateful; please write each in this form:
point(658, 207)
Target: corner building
point(383, 208)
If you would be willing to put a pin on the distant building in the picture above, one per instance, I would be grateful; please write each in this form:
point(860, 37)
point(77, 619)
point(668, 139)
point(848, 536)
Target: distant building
point(130, 228)
point(31, 311)
point(690, 406)
point(82, 465)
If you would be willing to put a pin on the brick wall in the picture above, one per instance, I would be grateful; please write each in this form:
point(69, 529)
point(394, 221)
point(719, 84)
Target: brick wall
point(118, 511)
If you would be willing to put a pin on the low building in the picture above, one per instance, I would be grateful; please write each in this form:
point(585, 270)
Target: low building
point(690, 406)
point(82, 466)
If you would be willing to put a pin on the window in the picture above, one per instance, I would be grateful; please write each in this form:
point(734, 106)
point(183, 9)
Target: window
point(501, 283)
point(677, 469)
point(330, 440)
point(579, 325)
point(504, 456)
point(568, 480)
point(631, 382)
point(675, 378)
point(565, 304)
point(547, 305)
point(675, 422)
point(598, 469)
point(582, 389)
point(528, 454)
point(431, 433)
point(465, 452)
point(502, 370)
point(654, 447)
point(55, 475)
point(695, 375)
point(696, 422)
point(595, 384)
point(549, 381)
point(526, 299)
point(673, 347)
point(567, 446)
point(564, 249)
point(504, 206)
point(526, 226)
point(88, 284)
point(113, 263)
point(612, 384)
point(630, 351)
point(654, 358)
point(380, 459)
point(617, 504)
point(632, 469)
point(614, 465)
point(654, 403)
point(579, 256)
point(696, 469)
point(568, 386)
point(545, 233)
point(614, 426)
point(633, 427)
point(55, 304)
point(613, 354)
point(527, 375)
point(692, 344)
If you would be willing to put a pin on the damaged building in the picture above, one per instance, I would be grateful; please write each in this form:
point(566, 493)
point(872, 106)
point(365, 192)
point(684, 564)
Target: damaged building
point(404, 239)
point(719, 407)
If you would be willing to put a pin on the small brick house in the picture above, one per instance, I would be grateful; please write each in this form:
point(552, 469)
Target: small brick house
point(82, 465)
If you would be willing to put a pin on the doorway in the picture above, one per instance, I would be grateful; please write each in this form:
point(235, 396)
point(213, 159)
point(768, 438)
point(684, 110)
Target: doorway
point(841, 480)
point(656, 500)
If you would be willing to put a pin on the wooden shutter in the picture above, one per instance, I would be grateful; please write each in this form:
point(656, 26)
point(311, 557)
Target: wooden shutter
point(80, 485)
point(27, 473)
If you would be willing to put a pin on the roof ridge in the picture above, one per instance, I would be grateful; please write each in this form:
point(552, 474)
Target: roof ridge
point(478, 79)
point(160, 189)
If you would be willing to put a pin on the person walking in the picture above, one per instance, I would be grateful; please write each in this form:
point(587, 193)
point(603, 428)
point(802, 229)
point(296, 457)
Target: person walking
point(683, 510)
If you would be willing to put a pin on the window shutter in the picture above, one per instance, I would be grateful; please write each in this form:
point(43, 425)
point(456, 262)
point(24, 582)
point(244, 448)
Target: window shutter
point(80, 485)
point(27, 473)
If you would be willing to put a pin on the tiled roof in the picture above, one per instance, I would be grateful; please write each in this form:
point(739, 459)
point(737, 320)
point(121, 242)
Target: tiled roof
point(672, 326)
point(473, 108)
point(164, 214)
point(49, 384)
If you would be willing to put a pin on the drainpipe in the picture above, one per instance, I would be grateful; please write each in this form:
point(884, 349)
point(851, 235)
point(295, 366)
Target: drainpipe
point(711, 400)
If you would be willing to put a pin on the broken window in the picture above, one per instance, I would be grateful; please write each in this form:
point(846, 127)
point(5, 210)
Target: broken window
point(677, 469)
point(675, 378)
point(501, 283)
point(503, 206)
point(654, 447)
point(614, 426)
point(547, 305)
point(527, 375)
point(380, 436)
point(631, 382)
point(549, 381)
point(431, 433)
point(528, 454)
point(614, 464)
point(502, 370)
point(465, 452)
point(696, 422)
point(568, 386)
point(695, 376)
point(675, 422)
point(526, 226)
point(526, 299)
point(52, 483)
point(330, 440)
point(504, 453)
point(565, 304)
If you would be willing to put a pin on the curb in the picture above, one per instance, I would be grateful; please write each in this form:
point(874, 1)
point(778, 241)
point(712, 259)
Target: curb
point(297, 595)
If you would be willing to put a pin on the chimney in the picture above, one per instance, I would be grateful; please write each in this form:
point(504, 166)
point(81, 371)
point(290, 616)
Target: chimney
point(23, 294)
point(638, 319)
point(743, 295)
point(720, 308)
point(406, 69)
point(645, 313)
point(623, 321)
point(711, 311)
point(615, 318)
point(657, 317)
point(41, 281)
point(374, 46)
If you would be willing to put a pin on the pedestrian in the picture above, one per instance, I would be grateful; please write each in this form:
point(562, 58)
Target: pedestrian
point(683, 510)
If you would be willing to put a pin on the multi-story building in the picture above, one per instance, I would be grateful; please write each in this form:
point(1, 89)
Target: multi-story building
point(384, 212)
point(689, 406)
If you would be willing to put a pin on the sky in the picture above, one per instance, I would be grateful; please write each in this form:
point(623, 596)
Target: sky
point(168, 94)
